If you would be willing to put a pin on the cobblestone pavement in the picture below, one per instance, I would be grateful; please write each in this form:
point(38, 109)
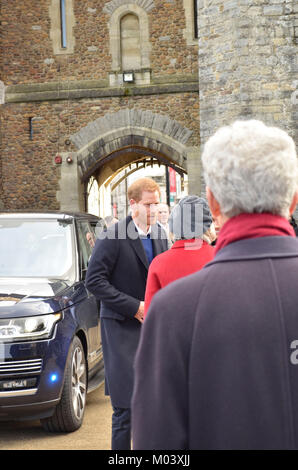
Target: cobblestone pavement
point(95, 434)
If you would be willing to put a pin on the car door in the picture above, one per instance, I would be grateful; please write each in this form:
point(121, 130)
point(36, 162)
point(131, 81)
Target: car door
point(97, 225)
point(90, 314)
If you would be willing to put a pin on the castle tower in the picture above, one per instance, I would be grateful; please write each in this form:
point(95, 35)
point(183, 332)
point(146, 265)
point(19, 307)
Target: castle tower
point(248, 63)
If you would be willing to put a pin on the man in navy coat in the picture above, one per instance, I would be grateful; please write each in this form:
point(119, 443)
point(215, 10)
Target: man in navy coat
point(117, 275)
point(217, 363)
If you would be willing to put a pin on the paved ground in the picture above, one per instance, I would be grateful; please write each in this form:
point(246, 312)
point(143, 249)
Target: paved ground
point(95, 434)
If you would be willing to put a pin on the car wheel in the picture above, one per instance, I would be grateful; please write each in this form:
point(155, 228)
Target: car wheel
point(69, 412)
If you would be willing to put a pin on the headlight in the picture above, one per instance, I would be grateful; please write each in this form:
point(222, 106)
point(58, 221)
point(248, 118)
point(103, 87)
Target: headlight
point(28, 328)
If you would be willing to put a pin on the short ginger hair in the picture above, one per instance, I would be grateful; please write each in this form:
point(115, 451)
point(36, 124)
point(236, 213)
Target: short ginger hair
point(136, 189)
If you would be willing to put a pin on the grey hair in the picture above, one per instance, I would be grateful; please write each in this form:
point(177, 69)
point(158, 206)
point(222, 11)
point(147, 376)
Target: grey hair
point(251, 167)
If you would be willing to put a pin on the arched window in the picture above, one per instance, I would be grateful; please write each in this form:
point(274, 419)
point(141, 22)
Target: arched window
point(130, 42)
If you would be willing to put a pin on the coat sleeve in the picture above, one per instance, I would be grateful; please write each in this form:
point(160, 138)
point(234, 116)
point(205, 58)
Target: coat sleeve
point(101, 266)
point(160, 397)
point(153, 285)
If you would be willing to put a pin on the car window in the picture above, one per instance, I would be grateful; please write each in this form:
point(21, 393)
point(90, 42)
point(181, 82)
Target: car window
point(35, 248)
point(86, 243)
point(98, 226)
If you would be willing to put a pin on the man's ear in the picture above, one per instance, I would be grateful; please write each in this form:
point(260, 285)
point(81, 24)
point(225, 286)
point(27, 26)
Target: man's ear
point(294, 203)
point(134, 207)
point(213, 204)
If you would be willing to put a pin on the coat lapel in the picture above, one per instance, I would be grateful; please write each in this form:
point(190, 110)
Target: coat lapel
point(136, 244)
point(159, 244)
point(139, 249)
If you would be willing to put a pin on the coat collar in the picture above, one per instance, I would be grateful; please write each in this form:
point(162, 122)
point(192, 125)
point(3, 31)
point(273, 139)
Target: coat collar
point(258, 248)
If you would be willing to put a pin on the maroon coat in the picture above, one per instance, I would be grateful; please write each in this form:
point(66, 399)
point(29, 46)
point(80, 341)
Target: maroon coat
point(219, 368)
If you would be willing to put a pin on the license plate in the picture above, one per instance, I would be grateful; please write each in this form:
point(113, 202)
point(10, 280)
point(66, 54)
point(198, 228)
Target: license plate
point(12, 384)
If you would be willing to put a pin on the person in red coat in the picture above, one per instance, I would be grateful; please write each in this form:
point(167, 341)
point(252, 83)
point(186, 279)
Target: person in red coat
point(190, 223)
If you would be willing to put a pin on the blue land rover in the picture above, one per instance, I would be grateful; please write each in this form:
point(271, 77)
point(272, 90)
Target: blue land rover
point(50, 343)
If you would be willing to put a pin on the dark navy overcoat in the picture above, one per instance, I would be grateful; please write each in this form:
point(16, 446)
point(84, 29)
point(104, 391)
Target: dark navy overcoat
point(217, 363)
point(117, 275)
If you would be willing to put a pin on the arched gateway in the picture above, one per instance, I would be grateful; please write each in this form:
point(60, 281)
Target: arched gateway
point(110, 143)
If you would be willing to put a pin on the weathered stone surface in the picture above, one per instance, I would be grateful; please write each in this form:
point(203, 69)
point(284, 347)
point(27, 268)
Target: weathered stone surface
point(248, 67)
point(247, 63)
point(110, 7)
point(91, 89)
point(70, 91)
point(126, 118)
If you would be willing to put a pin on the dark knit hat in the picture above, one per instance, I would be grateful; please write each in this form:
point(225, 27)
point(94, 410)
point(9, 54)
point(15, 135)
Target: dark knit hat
point(190, 218)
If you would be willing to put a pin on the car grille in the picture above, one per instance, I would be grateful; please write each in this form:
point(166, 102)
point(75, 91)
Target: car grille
point(13, 368)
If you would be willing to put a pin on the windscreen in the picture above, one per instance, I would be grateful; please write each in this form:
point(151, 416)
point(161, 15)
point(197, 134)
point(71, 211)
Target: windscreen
point(35, 248)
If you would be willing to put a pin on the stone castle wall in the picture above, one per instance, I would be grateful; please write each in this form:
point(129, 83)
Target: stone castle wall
point(248, 63)
point(61, 91)
point(32, 178)
point(245, 66)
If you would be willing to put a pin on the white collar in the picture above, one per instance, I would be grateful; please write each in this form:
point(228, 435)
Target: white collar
point(140, 231)
point(164, 226)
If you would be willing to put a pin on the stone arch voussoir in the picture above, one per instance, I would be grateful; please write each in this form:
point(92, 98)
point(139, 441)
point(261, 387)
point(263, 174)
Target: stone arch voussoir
point(130, 128)
point(111, 6)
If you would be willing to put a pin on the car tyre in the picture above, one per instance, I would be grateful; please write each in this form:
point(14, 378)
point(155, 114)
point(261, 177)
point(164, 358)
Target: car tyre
point(69, 412)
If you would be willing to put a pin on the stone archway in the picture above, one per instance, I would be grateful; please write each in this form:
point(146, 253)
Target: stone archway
point(115, 140)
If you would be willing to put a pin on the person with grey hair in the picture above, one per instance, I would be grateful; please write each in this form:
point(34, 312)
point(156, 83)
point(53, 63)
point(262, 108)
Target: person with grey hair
point(218, 369)
point(189, 222)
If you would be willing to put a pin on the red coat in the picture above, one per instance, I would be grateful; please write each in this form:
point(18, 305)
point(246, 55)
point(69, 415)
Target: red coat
point(184, 258)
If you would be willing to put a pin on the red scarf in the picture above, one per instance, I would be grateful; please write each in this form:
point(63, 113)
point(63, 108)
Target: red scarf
point(253, 226)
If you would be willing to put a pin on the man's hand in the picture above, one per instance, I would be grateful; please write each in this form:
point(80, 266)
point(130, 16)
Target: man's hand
point(140, 313)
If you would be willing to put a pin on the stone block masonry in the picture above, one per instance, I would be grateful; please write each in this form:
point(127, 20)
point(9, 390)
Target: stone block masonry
point(248, 63)
point(244, 65)
point(29, 56)
point(60, 92)
point(31, 178)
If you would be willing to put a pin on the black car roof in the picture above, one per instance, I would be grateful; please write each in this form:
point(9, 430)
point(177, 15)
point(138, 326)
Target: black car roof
point(46, 214)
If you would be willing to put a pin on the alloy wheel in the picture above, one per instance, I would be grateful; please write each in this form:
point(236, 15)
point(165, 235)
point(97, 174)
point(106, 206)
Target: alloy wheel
point(78, 382)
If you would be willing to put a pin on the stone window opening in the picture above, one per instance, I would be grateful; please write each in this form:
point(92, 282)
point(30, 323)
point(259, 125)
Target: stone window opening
point(129, 44)
point(191, 32)
point(62, 23)
point(195, 19)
